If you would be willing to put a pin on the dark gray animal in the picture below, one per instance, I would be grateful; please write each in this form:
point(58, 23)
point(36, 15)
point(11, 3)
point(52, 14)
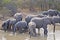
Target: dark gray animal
point(41, 23)
point(12, 23)
point(8, 24)
point(51, 12)
point(21, 25)
point(45, 13)
point(18, 17)
point(5, 25)
point(32, 30)
point(55, 20)
point(29, 17)
point(59, 14)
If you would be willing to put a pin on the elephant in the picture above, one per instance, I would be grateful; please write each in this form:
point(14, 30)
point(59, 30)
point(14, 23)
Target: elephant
point(5, 25)
point(41, 23)
point(32, 30)
point(59, 14)
point(55, 20)
point(12, 23)
point(51, 12)
point(21, 25)
point(18, 16)
point(8, 24)
point(45, 12)
point(29, 17)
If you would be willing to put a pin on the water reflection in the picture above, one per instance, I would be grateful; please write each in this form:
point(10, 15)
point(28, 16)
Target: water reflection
point(54, 36)
point(3, 38)
point(25, 36)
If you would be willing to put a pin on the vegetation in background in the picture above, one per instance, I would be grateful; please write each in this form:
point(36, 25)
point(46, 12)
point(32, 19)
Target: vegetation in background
point(32, 5)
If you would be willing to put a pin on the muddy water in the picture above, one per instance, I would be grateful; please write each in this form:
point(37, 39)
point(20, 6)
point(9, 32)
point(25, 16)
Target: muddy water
point(25, 36)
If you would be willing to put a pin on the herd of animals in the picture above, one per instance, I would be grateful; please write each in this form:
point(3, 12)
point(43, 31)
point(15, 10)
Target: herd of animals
point(32, 22)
